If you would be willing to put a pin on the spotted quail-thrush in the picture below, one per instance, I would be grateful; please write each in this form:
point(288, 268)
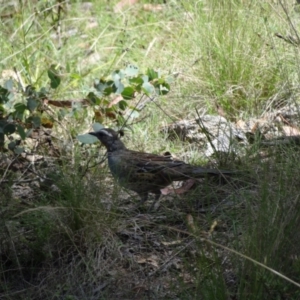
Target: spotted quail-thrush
point(146, 173)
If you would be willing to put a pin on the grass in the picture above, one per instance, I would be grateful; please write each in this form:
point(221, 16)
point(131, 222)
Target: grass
point(81, 239)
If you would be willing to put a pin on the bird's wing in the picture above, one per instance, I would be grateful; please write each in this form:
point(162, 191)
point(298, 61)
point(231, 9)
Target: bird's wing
point(152, 163)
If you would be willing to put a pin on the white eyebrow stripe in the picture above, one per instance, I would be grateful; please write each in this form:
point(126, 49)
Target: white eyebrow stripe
point(107, 133)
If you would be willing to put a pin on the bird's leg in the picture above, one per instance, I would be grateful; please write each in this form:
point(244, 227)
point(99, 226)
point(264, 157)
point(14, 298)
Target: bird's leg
point(144, 197)
point(154, 202)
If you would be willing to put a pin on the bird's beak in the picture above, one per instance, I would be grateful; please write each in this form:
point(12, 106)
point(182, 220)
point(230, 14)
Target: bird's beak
point(93, 133)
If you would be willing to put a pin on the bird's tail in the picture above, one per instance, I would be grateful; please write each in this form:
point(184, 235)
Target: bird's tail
point(202, 172)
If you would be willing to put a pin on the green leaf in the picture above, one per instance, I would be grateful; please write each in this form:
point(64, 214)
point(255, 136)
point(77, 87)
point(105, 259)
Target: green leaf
point(54, 77)
point(36, 121)
point(19, 110)
point(4, 95)
point(148, 88)
point(97, 126)
point(120, 87)
point(9, 84)
point(145, 78)
point(11, 146)
point(131, 71)
point(20, 107)
point(18, 150)
point(137, 80)
point(3, 123)
point(87, 138)
point(21, 132)
point(123, 104)
point(107, 91)
point(9, 129)
point(152, 74)
point(32, 104)
point(1, 138)
point(100, 84)
point(118, 75)
point(42, 93)
point(30, 90)
point(128, 93)
point(93, 98)
point(162, 89)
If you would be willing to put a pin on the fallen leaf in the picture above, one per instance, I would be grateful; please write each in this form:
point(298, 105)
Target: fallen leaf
point(151, 260)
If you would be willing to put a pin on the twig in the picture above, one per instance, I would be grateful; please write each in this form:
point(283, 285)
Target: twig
point(5, 172)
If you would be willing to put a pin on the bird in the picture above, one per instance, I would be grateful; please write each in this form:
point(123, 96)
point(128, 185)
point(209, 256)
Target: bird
point(143, 172)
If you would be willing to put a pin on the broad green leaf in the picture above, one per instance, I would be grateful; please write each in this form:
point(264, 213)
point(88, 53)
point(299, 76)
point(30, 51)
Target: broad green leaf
point(145, 78)
point(20, 107)
point(152, 74)
point(87, 138)
point(9, 84)
point(97, 126)
point(42, 93)
point(136, 80)
point(148, 88)
point(123, 104)
point(118, 75)
point(21, 132)
point(3, 123)
point(107, 91)
point(128, 93)
point(32, 104)
point(9, 129)
point(120, 87)
point(36, 121)
point(1, 138)
point(18, 150)
point(93, 98)
point(11, 146)
point(4, 95)
point(131, 70)
point(162, 89)
point(100, 84)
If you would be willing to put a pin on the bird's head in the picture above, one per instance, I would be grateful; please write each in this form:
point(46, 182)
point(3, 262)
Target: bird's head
point(109, 138)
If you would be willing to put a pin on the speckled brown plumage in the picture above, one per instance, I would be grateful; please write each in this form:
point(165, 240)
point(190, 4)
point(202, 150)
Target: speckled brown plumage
point(146, 173)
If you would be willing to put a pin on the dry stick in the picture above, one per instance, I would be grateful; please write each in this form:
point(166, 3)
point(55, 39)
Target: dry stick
point(96, 164)
point(22, 181)
point(289, 19)
point(58, 29)
point(29, 165)
point(5, 172)
point(173, 256)
point(237, 253)
point(252, 260)
point(47, 111)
